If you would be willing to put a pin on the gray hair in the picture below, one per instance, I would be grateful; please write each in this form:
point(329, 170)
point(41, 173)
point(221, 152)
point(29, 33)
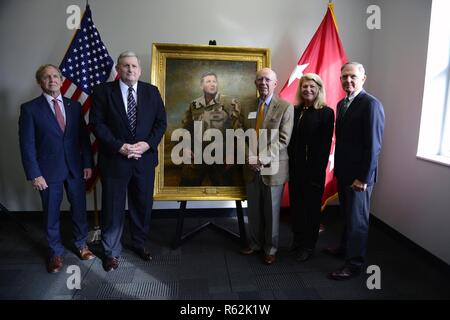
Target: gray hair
point(356, 64)
point(128, 54)
point(41, 69)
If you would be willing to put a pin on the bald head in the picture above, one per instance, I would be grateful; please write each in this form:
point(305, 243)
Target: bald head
point(266, 82)
point(266, 72)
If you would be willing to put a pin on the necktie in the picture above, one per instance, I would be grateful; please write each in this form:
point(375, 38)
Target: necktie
point(131, 111)
point(59, 115)
point(345, 106)
point(260, 118)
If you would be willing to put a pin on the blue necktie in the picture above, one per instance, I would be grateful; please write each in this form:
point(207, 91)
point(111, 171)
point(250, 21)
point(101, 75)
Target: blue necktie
point(131, 112)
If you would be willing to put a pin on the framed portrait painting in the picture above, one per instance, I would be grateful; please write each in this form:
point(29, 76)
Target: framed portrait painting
point(202, 86)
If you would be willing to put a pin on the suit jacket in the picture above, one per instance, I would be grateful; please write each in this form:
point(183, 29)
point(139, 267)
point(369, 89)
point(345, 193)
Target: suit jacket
point(279, 116)
point(46, 150)
point(359, 135)
point(110, 123)
point(309, 148)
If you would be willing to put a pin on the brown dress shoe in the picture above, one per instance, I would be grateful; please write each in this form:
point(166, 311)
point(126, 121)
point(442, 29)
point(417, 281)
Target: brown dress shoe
point(55, 264)
point(345, 273)
point(111, 263)
point(269, 259)
point(86, 254)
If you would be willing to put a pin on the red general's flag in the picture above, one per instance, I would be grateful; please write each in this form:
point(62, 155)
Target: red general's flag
point(86, 64)
point(324, 55)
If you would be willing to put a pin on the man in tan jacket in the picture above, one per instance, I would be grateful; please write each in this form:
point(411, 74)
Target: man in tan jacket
point(266, 168)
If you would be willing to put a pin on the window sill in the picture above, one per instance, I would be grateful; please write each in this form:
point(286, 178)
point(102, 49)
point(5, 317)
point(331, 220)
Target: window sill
point(442, 160)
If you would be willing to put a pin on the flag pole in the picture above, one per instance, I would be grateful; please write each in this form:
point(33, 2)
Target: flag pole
point(94, 236)
point(77, 91)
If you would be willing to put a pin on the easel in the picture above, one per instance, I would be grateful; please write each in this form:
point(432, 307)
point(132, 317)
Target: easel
point(6, 211)
point(181, 238)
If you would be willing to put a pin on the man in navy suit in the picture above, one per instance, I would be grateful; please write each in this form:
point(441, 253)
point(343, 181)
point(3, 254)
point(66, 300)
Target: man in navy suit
point(56, 153)
point(359, 133)
point(129, 121)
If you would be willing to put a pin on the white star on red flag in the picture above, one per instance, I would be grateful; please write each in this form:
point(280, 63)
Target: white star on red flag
point(297, 73)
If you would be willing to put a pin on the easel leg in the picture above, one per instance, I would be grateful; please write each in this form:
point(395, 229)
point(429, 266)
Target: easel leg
point(177, 240)
point(240, 217)
point(6, 211)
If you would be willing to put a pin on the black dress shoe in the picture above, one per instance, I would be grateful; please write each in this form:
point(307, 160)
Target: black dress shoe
point(111, 263)
point(143, 253)
point(345, 273)
point(304, 254)
point(294, 248)
point(338, 252)
point(249, 251)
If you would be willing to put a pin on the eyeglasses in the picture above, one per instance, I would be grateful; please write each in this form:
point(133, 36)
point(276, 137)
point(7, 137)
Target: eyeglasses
point(262, 79)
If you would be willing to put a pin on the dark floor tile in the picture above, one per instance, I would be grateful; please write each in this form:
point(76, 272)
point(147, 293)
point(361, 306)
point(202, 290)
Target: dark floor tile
point(297, 294)
point(208, 267)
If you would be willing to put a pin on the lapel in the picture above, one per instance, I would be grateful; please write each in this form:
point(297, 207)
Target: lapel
point(339, 112)
point(353, 105)
point(140, 106)
point(48, 113)
point(116, 96)
point(271, 109)
point(69, 116)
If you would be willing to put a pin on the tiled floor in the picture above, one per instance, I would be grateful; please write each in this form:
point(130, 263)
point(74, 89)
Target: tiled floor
point(209, 267)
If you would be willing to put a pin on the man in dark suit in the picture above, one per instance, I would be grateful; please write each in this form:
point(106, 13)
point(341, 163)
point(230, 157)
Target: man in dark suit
point(56, 153)
point(359, 133)
point(129, 121)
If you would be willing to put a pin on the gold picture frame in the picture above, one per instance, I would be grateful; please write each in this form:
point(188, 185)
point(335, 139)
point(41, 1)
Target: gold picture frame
point(176, 70)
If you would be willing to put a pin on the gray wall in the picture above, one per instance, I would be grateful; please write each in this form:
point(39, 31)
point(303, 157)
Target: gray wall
point(34, 32)
point(411, 196)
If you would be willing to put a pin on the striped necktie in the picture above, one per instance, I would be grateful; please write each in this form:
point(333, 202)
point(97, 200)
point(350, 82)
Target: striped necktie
point(343, 109)
point(131, 111)
point(345, 106)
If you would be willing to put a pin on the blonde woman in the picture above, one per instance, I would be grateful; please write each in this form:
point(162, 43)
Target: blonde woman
point(308, 150)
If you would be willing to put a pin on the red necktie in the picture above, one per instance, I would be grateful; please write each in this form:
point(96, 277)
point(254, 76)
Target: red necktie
point(59, 115)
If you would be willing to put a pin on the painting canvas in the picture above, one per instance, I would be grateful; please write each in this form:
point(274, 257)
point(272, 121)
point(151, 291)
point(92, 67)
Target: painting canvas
point(186, 75)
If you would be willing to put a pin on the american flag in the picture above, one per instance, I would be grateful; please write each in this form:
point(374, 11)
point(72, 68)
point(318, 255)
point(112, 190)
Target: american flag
point(86, 64)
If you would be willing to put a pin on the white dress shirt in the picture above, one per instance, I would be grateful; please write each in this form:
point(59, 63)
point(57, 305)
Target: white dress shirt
point(124, 89)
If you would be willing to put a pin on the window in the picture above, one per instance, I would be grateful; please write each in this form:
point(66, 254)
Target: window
point(434, 137)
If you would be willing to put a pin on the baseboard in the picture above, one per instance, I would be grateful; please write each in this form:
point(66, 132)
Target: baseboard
point(441, 264)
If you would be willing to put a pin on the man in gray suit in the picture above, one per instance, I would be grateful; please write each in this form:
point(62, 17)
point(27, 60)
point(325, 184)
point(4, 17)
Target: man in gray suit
point(266, 169)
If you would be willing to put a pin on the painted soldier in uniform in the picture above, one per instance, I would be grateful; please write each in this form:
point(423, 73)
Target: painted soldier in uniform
point(212, 111)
